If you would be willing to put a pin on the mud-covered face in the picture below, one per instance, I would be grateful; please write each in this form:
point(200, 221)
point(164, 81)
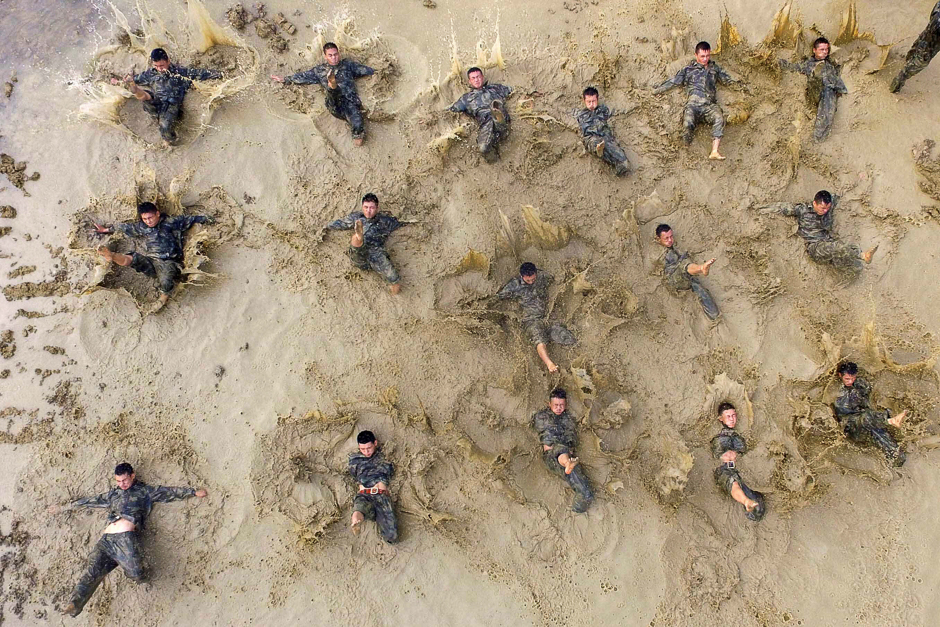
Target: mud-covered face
point(368, 449)
point(821, 52)
point(150, 219)
point(332, 56)
point(729, 418)
point(821, 208)
point(161, 66)
point(124, 481)
point(848, 380)
point(369, 209)
point(558, 406)
point(529, 280)
point(476, 80)
point(703, 56)
point(590, 101)
point(666, 238)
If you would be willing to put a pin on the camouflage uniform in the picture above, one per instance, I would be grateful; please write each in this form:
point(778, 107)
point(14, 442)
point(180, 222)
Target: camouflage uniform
point(561, 434)
point(534, 302)
point(594, 130)
point(922, 51)
point(369, 472)
point(478, 104)
point(372, 254)
point(823, 87)
point(163, 247)
point(727, 474)
point(676, 273)
point(120, 549)
point(701, 84)
point(816, 231)
point(342, 102)
point(863, 424)
point(167, 90)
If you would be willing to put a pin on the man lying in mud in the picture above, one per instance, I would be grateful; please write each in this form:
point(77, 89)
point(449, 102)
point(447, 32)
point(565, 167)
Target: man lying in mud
point(860, 422)
point(486, 104)
point(922, 51)
point(367, 245)
point(823, 86)
point(166, 85)
point(338, 77)
point(727, 446)
point(373, 473)
point(816, 222)
point(128, 506)
point(596, 134)
point(162, 238)
point(558, 434)
point(700, 78)
point(530, 288)
point(681, 274)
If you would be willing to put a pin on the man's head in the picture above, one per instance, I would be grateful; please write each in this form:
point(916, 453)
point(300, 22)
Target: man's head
point(475, 77)
point(728, 415)
point(367, 443)
point(160, 59)
point(528, 272)
point(370, 205)
point(703, 52)
point(124, 475)
point(558, 401)
point(848, 372)
point(822, 202)
point(821, 49)
point(591, 98)
point(664, 235)
point(331, 52)
point(149, 214)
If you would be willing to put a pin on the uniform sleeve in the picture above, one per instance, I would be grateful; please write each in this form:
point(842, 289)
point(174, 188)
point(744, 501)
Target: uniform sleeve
point(792, 67)
point(391, 224)
point(784, 208)
point(144, 78)
point(460, 106)
point(723, 77)
point(95, 502)
point(131, 230)
point(199, 74)
point(342, 224)
point(504, 91)
point(167, 494)
point(863, 386)
point(310, 77)
point(605, 112)
point(675, 81)
point(183, 223)
point(353, 469)
point(359, 70)
point(549, 279)
point(508, 291)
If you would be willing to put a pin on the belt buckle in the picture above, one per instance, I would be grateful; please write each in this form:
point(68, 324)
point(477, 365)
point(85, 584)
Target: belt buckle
point(729, 465)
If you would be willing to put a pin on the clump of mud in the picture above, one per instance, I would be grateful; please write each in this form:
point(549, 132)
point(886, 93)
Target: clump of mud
point(8, 86)
point(58, 286)
point(238, 17)
point(16, 172)
point(21, 271)
point(7, 345)
point(6, 211)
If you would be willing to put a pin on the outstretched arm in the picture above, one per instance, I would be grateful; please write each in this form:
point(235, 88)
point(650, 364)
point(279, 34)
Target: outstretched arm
point(310, 77)
point(183, 223)
point(781, 208)
point(198, 74)
point(167, 494)
point(675, 81)
point(724, 78)
point(100, 501)
point(360, 70)
point(342, 224)
point(460, 106)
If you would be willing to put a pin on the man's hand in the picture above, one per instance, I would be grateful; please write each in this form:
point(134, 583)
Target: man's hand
point(201, 493)
point(128, 78)
point(277, 79)
point(357, 239)
point(102, 229)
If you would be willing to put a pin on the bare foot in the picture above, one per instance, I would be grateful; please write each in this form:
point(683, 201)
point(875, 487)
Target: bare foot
point(552, 366)
point(106, 253)
point(716, 156)
point(897, 420)
point(357, 234)
point(599, 150)
point(356, 526)
point(357, 141)
point(868, 254)
point(331, 79)
point(160, 304)
point(750, 505)
point(394, 288)
point(569, 467)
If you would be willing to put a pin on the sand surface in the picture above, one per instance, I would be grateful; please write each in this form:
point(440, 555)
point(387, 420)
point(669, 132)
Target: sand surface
point(256, 377)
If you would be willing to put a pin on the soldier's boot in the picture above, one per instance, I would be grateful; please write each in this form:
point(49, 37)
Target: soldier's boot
point(499, 116)
point(331, 79)
point(622, 169)
point(599, 149)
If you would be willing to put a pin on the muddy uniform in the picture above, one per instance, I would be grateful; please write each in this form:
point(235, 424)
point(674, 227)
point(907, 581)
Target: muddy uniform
point(342, 102)
point(561, 434)
point(922, 51)
point(533, 299)
point(823, 88)
point(167, 90)
point(727, 474)
point(816, 231)
point(121, 549)
point(372, 254)
point(478, 104)
point(863, 424)
point(701, 83)
point(594, 130)
point(675, 271)
point(369, 472)
point(163, 247)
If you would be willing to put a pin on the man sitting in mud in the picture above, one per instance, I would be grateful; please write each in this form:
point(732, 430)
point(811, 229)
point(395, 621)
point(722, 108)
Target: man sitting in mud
point(128, 506)
point(372, 472)
point(338, 77)
point(530, 288)
point(860, 422)
point(596, 134)
point(681, 274)
point(727, 446)
point(167, 84)
point(558, 435)
point(486, 104)
point(163, 246)
point(922, 51)
point(700, 78)
point(823, 85)
point(816, 221)
point(367, 245)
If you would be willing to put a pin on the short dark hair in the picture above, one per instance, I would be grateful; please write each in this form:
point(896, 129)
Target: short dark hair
point(147, 207)
point(820, 41)
point(370, 197)
point(365, 437)
point(702, 45)
point(159, 54)
point(662, 228)
point(123, 469)
point(823, 197)
point(590, 91)
point(724, 407)
point(329, 46)
point(472, 70)
point(528, 269)
point(847, 367)
point(559, 393)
